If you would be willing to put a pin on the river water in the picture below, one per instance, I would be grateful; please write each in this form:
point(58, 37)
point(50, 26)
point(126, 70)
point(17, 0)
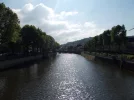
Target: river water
point(66, 77)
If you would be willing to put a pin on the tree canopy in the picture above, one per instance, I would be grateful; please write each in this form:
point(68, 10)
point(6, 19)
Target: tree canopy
point(14, 39)
point(109, 40)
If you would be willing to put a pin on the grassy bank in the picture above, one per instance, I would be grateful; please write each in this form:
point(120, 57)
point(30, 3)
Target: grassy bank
point(123, 61)
point(128, 57)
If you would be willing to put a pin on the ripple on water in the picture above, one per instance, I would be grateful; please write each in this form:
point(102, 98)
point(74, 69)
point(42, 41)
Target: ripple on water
point(2, 86)
point(70, 87)
point(68, 77)
point(72, 90)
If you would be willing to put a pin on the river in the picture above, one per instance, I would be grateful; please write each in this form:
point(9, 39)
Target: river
point(66, 77)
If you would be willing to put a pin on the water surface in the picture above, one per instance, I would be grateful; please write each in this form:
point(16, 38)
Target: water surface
point(66, 77)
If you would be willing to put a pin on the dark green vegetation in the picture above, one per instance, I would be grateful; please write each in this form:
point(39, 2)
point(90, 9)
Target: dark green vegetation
point(113, 40)
point(74, 47)
point(109, 43)
point(25, 41)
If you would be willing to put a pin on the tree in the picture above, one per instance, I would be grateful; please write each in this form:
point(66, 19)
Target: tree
point(109, 40)
point(95, 42)
point(106, 38)
point(118, 35)
point(29, 35)
point(100, 42)
point(50, 42)
point(9, 27)
point(122, 36)
point(14, 39)
point(41, 40)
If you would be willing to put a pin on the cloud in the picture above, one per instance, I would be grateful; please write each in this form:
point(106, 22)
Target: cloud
point(55, 24)
point(64, 14)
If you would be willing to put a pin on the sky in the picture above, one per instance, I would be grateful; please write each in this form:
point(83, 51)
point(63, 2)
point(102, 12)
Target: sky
point(70, 20)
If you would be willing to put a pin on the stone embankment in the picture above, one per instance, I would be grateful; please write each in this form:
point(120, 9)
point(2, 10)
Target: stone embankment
point(10, 63)
point(129, 65)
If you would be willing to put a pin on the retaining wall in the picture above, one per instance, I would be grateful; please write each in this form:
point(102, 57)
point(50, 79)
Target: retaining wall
point(129, 65)
point(10, 63)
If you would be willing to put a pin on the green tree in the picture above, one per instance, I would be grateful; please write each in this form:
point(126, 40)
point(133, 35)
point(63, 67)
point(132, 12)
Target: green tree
point(95, 42)
point(106, 39)
point(123, 36)
point(118, 36)
point(100, 42)
point(29, 36)
point(9, 27)
point(14, 39)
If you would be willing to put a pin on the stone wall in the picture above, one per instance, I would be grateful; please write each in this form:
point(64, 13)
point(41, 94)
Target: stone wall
point(129, 65)
point(89, 57)
point(11, 63)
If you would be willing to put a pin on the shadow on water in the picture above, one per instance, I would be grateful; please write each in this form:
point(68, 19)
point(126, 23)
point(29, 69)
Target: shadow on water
point(18, 76)
point(27, 64)
point(66, 76)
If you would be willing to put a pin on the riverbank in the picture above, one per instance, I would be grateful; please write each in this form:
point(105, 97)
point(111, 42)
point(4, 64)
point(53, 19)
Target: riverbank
point(10, 63)
point(16, 62)
point(65, 77)
point(129, 65)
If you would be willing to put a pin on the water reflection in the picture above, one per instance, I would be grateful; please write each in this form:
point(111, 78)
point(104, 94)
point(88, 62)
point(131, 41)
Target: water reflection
point(2, 86)
point(72, 90)
point(66, 77)
point(33, 71)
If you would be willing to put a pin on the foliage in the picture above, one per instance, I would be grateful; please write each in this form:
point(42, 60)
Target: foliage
point(109, 40)
point(26, 40)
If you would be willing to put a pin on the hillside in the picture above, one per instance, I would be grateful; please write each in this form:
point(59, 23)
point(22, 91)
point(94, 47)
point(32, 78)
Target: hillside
point(75, 43)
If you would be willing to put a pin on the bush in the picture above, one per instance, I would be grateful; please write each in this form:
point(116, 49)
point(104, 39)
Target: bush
point(130, 57)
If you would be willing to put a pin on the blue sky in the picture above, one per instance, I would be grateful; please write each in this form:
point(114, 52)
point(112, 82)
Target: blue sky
point(99, 14)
